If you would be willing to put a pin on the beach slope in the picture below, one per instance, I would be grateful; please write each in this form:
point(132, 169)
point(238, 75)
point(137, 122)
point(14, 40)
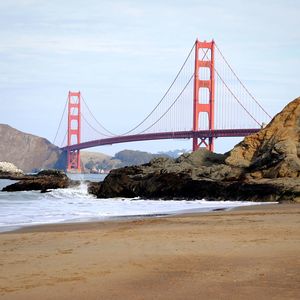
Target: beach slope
point(249, 253)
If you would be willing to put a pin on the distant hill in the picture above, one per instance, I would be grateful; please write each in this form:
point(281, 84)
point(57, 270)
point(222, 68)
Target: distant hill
point(32, 153)
point(93, 161)
point(132, 157)
point(86, 156)
point(173, 153)
point(28, 152)
point(96, 161)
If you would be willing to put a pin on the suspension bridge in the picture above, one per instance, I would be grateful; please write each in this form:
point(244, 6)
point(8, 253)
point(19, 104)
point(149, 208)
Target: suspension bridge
point(205, 100)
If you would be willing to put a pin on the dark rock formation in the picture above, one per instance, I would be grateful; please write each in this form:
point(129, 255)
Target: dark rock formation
point(43, 181)
point(29, 152)
point(264, 167)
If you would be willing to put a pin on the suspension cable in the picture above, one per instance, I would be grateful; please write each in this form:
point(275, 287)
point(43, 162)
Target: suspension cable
point(111, 134)
point(61, 145)
point(169, 106)
point(242, 83)
point(91, 126)
point(230, 91)
point(62, 116)
point(164, 96)
point(176, 99)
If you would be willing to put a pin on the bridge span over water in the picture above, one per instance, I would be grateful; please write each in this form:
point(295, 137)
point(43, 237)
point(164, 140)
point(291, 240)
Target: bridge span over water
point(205, 100)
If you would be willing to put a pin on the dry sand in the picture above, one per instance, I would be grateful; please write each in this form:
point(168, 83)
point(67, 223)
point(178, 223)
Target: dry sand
point(243, 254)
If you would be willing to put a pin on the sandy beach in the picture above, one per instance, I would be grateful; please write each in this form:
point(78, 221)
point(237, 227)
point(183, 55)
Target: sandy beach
point(248, 253)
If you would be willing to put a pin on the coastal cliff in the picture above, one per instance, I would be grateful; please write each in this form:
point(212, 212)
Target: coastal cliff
point(265, 166)
point(28, 152)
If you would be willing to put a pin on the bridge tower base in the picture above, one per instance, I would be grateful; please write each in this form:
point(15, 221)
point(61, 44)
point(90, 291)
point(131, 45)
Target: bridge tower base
point(74, 131)
point(204, 64)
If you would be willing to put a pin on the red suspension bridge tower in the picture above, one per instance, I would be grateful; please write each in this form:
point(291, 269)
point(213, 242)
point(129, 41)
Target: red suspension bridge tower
point(201, 105)
point(74, 130)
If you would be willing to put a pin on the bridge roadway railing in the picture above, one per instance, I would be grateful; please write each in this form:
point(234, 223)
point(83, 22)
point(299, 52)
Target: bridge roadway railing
point(163, 136)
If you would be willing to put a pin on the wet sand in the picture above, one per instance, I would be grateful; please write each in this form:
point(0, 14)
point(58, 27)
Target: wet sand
point(248, 253)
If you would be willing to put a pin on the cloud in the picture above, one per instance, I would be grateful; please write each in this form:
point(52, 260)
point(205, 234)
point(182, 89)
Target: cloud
point(51, 46)
point(72, 45)
point(18, 3)
point(127, 9)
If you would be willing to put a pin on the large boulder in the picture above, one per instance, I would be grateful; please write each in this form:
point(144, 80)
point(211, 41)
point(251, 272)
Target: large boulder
point(198, 174)
point(139, 182)
point(43, 181)
point(274, 151)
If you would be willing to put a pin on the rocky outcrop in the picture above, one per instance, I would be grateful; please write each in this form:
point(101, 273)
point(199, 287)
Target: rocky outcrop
point(273, 152)
point(43, 181)
point(180, 179)
point(9, 171)
point(263, 167)
point(29, 152)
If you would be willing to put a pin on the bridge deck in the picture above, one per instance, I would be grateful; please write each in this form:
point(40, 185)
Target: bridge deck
point(163, 136)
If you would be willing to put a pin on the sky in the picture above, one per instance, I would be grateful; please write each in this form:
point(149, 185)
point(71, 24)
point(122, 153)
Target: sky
point(122, 55)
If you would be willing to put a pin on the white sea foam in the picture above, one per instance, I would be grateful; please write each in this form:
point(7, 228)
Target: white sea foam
point(19, 209)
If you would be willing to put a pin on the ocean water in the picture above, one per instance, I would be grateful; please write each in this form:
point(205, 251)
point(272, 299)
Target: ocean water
point(22, 209)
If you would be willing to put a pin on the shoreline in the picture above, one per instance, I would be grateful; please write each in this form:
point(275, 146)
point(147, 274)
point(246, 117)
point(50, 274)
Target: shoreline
point(121, 219)
point(245, 253)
